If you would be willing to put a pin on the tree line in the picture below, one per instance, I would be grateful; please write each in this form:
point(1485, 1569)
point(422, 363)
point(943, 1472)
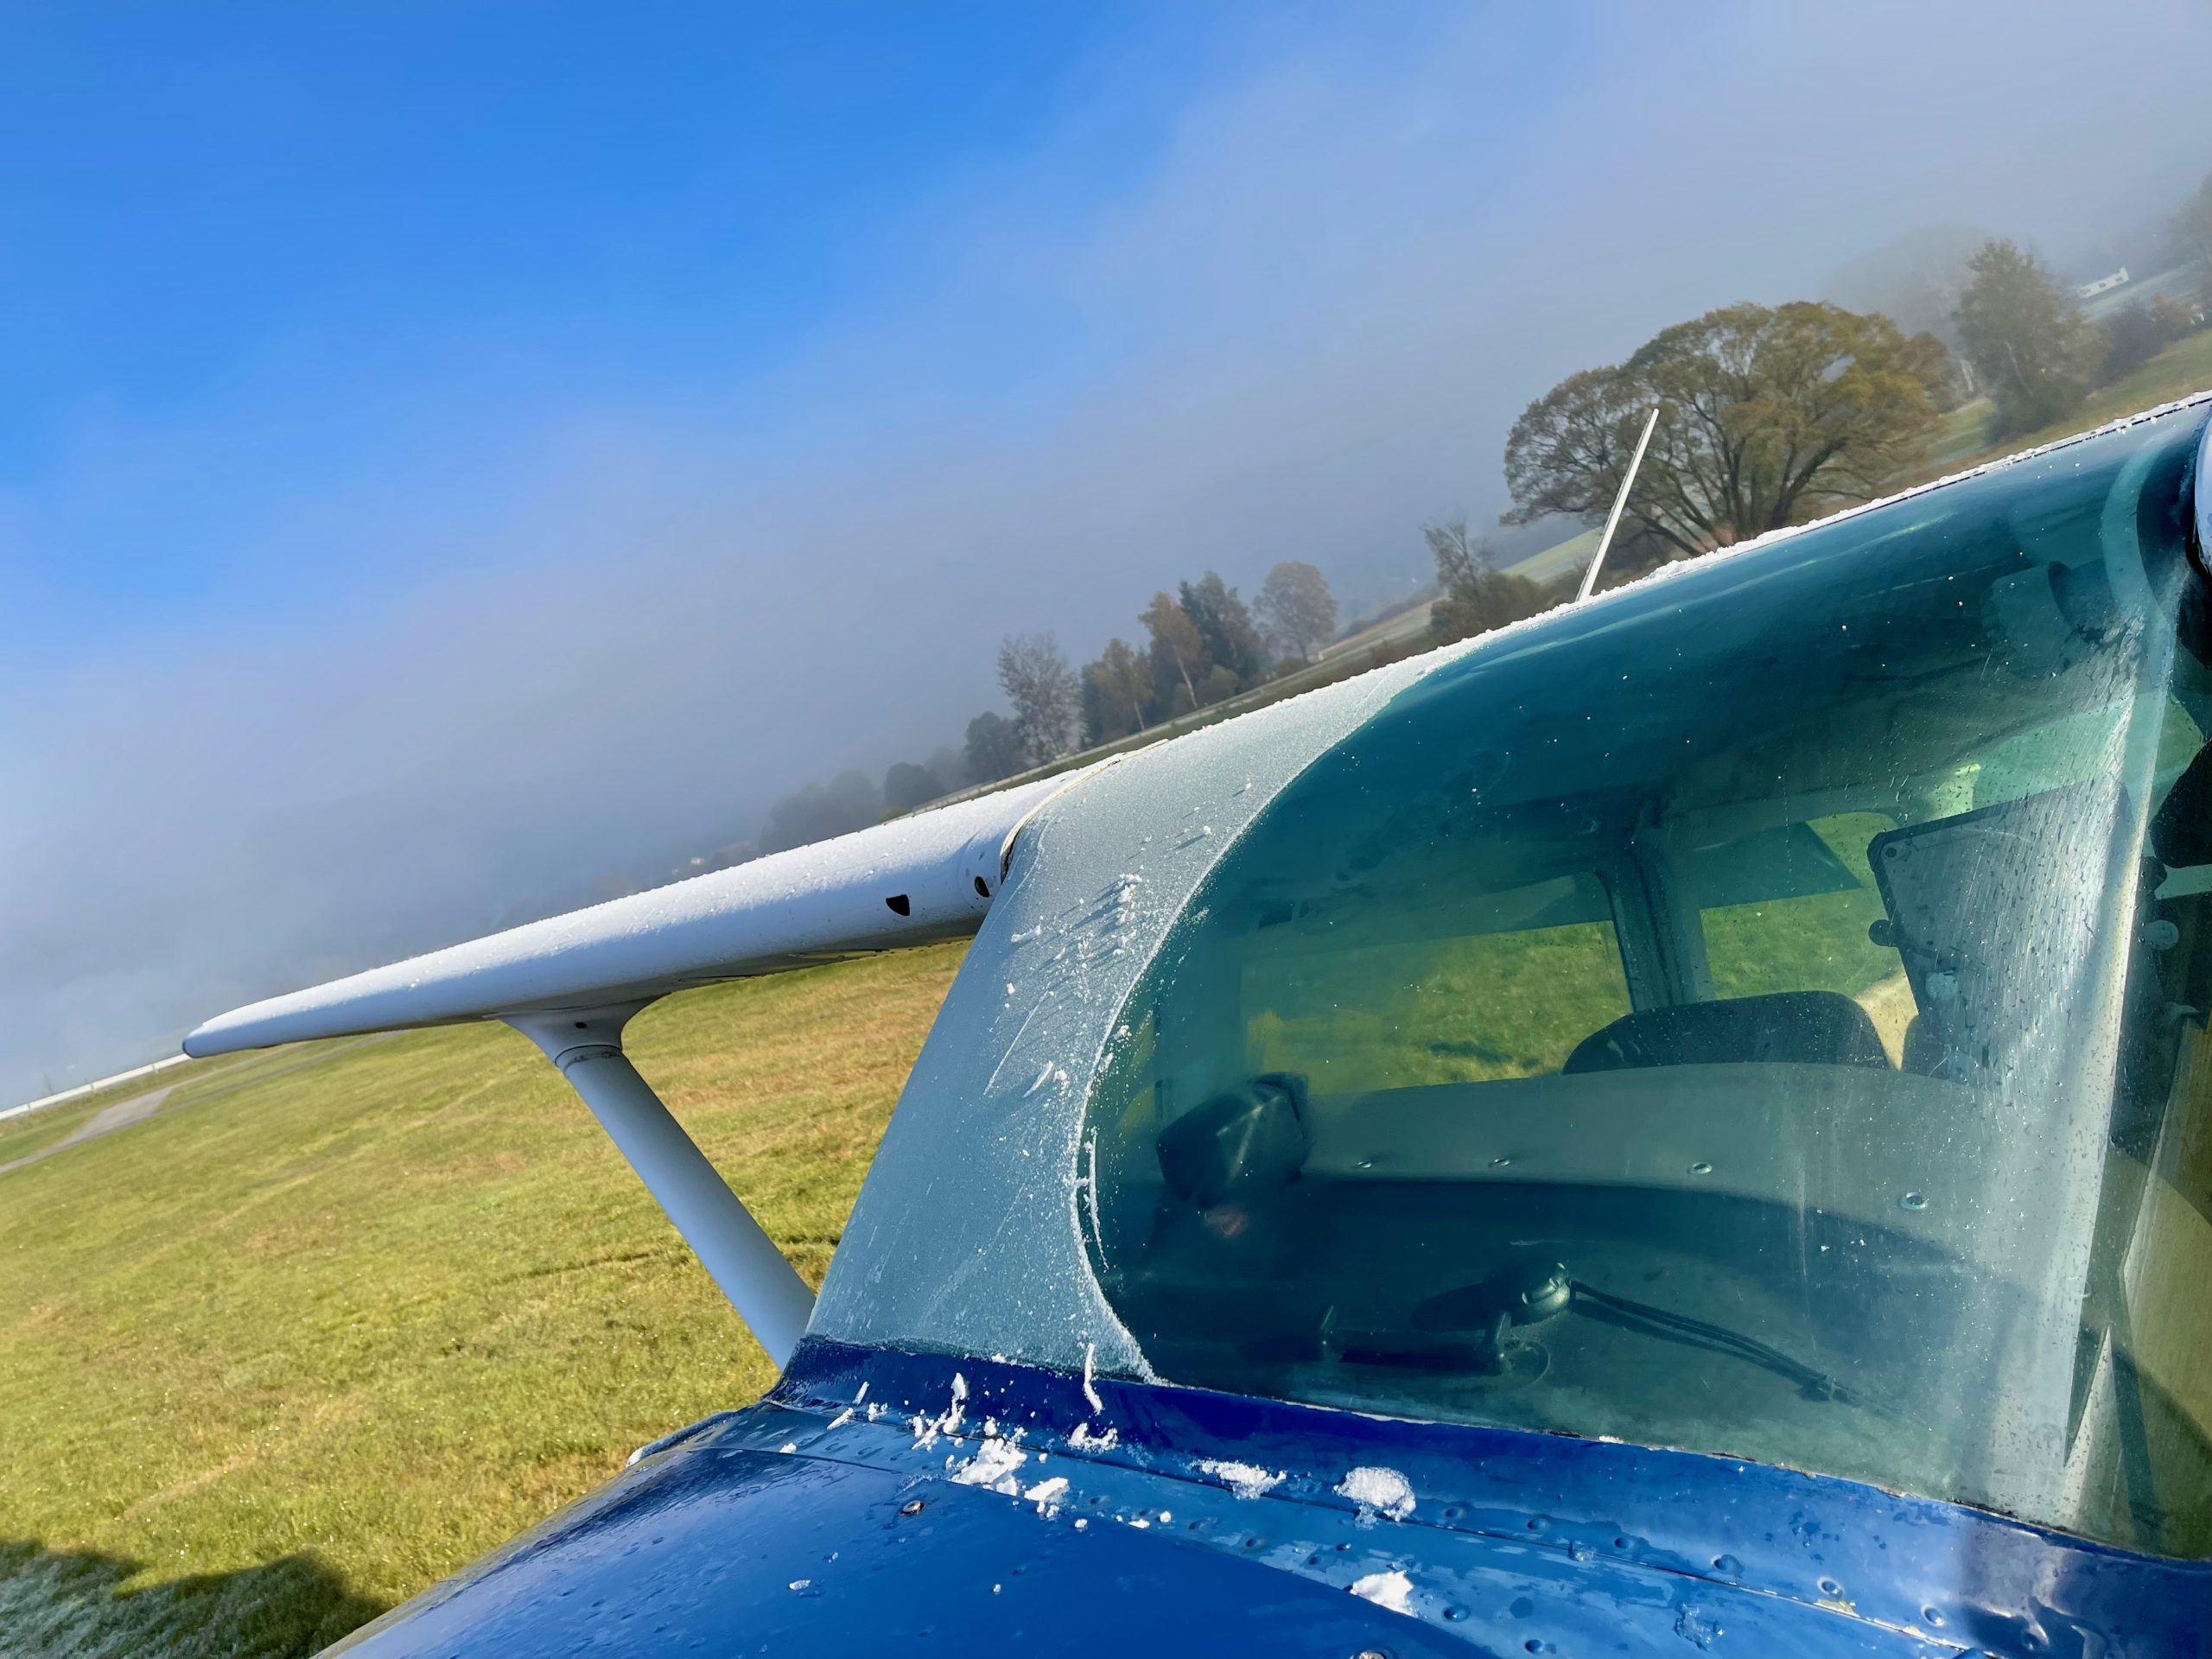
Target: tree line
point(1769, 416)
point(1201, 645)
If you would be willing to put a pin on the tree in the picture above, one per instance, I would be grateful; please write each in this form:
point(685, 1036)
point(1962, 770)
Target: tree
point(1117, 692)
point(1478, 596)
point(1296, 611)
point(2191, 227)
point(2034, 353)
point(950, 764)
point(1041, 687)
point(906, 787)
point(2136, 334)
point(993, 748)
point(1218, 686)
point(848, 802)
point(1177, 652)
point(1224, 622)
point(1767, 416)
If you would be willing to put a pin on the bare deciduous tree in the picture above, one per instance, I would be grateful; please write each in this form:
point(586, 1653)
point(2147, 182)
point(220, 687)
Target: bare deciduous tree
point(1042, 690)
point(1296, 609)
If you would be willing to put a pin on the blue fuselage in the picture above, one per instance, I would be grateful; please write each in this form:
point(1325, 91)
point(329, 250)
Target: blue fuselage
point(893, 1503)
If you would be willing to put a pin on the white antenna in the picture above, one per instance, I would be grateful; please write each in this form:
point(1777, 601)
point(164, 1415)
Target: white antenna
point(1613, 519)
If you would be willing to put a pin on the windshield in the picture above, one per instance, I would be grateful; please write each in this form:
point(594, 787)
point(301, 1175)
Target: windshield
point(1769, 1022)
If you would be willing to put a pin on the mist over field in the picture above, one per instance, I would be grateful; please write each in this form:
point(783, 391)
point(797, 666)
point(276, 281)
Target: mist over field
point(366, 633)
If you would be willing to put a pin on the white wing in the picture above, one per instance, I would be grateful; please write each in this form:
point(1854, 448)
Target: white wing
point(927, 877)
point(571, 983)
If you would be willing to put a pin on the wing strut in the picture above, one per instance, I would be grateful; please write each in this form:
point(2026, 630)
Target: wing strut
point(761, 1282)
point(570, 984)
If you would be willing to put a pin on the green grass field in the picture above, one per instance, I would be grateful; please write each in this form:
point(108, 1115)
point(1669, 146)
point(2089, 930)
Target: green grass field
point(1556, 560)
point(316, 1336)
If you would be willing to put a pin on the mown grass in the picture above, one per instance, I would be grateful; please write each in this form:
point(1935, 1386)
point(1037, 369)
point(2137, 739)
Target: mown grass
point(312, 1339)
point(1557, 560)
point(1395, 1016)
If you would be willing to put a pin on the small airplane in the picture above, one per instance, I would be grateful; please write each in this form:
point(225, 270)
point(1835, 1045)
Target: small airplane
point(1684, 1124)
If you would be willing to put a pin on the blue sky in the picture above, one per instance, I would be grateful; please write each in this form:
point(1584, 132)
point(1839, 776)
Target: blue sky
point(262, 259)
point(453, 451)
point(256, 254)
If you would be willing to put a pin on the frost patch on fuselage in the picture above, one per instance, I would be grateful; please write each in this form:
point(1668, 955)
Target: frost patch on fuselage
point(1393, 1590)
point(1085, 1441)
point(1244, 1479)
point(1046, 1496)
point(1696, 1628)
point(993, 1466)
point(1378, 1491)
point(926, 1429)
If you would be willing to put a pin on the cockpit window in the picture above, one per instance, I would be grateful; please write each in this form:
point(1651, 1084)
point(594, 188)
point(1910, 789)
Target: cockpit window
point(1771, 1024)
point(1395, 995)
point(1797, 909)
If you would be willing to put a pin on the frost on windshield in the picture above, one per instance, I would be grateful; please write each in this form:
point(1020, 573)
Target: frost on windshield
point(969, 1234)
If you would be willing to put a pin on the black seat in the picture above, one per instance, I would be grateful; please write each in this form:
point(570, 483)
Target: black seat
point(1784, 1028)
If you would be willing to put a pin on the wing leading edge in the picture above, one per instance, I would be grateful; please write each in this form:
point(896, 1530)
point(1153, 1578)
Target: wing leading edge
point(927, 877)
point(572, 982)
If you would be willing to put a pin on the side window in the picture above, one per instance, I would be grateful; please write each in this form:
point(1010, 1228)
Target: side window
point(2145, 1392)
point(1796, 910)
point(1504, 985)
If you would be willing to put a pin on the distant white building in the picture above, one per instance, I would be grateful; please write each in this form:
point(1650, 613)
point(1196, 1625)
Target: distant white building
point(2182, 286)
